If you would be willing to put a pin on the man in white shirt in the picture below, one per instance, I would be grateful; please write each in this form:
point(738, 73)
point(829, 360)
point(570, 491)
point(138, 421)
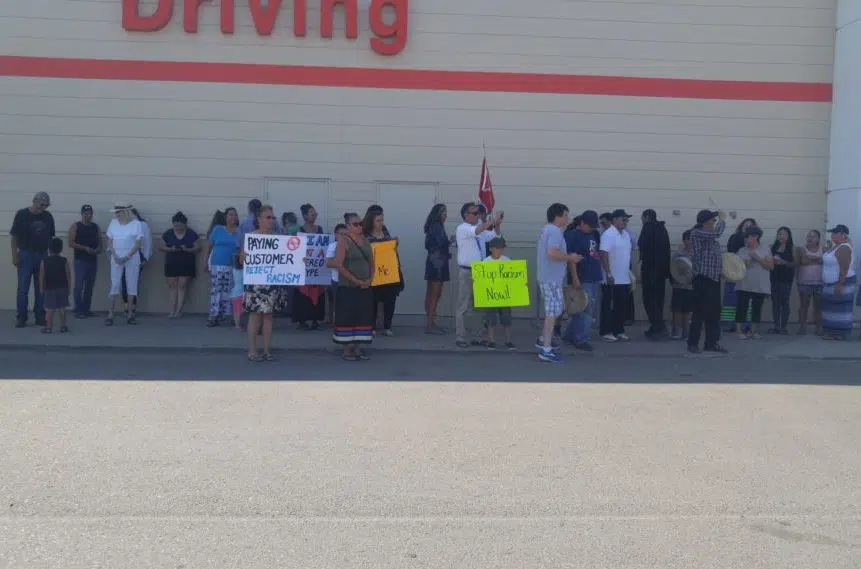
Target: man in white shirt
point(470, 248)
point(616, 260)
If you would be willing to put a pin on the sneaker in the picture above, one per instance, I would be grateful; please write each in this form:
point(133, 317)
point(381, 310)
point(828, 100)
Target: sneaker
point(462, 344)
point(539, 344)
point(694, 350)
point(676, 336)
point(388, 333)
point(610, 338)
point(583, 347)
point(551, 357)
point(510, 346)
point(491, 345)
point(755, 336)
point(623, 338)
point(743, 336)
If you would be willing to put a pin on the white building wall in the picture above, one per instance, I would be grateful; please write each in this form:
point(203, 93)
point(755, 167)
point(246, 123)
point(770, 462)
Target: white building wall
point(206, 145)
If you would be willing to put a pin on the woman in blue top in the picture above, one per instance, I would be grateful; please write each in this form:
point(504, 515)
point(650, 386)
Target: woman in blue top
point(438, 246)
point(221, 253)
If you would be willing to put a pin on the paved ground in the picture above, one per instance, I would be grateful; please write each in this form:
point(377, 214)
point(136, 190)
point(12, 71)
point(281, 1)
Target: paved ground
point(409, 461)
point(157, 333)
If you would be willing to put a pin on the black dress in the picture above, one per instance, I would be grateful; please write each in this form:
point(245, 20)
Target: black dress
point(180, 263)
point(309, 302)
point(439, 254)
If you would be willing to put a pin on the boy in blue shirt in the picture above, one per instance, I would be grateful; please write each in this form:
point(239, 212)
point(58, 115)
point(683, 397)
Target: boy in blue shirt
point(585, 275)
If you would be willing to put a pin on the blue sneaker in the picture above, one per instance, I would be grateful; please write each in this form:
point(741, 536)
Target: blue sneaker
point(551, 357)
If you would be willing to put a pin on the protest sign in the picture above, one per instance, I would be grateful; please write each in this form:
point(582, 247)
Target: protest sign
point(386, 263)
point(274, 260)
point(316, 272)
point(497, 284)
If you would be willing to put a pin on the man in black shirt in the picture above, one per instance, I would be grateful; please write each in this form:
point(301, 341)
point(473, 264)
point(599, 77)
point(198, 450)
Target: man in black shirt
point(85, 239)
point(32, 231)
point(654, 245)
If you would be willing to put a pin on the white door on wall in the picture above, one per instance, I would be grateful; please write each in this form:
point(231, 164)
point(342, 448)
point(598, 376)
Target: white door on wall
point(406, 205)
point(289, 194)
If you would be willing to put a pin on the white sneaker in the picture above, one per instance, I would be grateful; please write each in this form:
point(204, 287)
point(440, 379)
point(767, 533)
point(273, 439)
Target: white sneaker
point(623, 338)
point(610, 338)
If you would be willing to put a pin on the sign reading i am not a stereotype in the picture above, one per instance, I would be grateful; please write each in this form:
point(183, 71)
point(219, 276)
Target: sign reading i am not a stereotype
point(274, 260)
point(499, 284)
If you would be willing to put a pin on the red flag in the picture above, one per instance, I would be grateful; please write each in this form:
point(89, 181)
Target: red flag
point(485, 188)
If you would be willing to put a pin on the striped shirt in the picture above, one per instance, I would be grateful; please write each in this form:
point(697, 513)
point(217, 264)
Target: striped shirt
point(706, 253)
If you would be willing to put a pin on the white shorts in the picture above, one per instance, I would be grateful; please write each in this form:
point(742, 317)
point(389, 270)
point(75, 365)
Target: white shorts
point(554, 300)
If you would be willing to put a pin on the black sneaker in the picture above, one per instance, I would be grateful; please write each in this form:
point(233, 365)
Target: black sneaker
point(510, 346)
point(694, 350)
point(583, 347)
point(490, 345)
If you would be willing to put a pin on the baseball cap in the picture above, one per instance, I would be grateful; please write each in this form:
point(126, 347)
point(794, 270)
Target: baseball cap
point(86, 208)
point(590, 217)
point(42, 197)
point(705, 215)
point(496, 243)
point(839, 228)
point(619, 213)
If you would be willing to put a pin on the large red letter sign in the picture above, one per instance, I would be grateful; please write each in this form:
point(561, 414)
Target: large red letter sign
point(134, 22)
point(264, 18)
point(396, 32)
point(327, 17)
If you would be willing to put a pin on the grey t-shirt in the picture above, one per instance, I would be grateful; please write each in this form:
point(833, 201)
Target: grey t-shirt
point(758, 278)
point(548, 270)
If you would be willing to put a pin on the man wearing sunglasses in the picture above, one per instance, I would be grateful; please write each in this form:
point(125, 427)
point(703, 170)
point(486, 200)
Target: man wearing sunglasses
point(470, 237)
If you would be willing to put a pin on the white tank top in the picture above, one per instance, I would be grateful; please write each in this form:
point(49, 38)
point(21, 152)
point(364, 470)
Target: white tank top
point(831, 266)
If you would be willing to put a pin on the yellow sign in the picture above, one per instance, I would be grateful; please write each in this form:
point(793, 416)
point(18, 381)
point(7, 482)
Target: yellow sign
point(387, 268)
point(497, 284)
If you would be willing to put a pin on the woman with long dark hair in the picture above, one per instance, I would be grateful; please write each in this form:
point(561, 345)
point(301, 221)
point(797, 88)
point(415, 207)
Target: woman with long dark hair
point(220, 253)
point(180, 245)
point(385, 296)
point(437, 274)
point(782, 276)
point(309, 301)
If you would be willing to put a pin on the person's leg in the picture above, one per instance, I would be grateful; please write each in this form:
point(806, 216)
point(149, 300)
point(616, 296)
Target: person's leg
point(816, 300)
point(620, 294)
point(803, 309)
point(78, 290)
point(92, 271)
point(226, 287)
point(254, 321)
point(389, 303)
point(132, 274)
point(116, 285)
point(606, 321)
point(267, 333)
point(712, 314)
point(660, 300)
point(25, 275)
point(464, 304)
point(49, 321)
point(698, 317)
point(491, 317)
point(757, 301)
point(553, 308)
point(38, 296)
point(173, 290)
point(182, 288)
point(63, 327)
point(214, 294)
point(786, 294)
point(742, 302)
point(649, 300)
point(237, 312)
point(125, 291)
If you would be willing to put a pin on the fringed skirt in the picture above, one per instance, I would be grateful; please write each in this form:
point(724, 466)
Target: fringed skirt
point(354, 316)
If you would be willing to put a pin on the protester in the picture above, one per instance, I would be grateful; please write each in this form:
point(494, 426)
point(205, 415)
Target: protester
point(682, 301)
point(734, 244)
point(839, 280)
point(290, 223)
point(605, 222)
point(616, 249)
point(145, 255)
point(470, 247)
point(180, 245)
point(654, 245)
point(553, 259)
point(237, 293)
point(261, 301)
point(707, 260)
point(385, 296)
point(808, 260)
point(31, 234)
point(85, 239)
point(498, 317)
point(331, 250)
point(752, 291)
point(221, 251)
point(309, 301)
point(585, 275)
point(630, 308)
point(54, 277)
point(782, 276)
point(437, 274)
point(354, 304)
point(125, 239)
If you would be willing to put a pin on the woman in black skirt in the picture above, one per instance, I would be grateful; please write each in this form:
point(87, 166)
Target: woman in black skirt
point(354, 317)
point(309, 301)
point(438, 247)
point(180, 245)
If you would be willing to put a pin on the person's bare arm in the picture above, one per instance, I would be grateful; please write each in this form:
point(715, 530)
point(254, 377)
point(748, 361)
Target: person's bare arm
point(844, 260)
point(767, 262)
point(340, 255)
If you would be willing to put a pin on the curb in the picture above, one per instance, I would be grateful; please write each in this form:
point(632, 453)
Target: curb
point(457, 352)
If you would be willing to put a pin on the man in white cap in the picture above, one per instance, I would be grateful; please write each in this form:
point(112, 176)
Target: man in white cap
point(32, 231)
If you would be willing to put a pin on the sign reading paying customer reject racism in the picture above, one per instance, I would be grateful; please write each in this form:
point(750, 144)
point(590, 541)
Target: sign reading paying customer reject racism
point(274, 260)
point(497, 284)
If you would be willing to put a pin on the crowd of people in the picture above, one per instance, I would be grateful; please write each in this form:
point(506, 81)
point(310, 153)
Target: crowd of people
point(589, 257)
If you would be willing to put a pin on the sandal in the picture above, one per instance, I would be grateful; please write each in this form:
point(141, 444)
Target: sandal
point(131, 320)
point(47, 331)
point(267, 357)
point(109, 321)
point(211, 323)
point(363, 357)
point(255, 358)
point(64, 329)
point(349, 357)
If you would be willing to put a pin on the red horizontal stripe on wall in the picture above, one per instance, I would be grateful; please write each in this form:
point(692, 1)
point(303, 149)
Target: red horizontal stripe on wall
point(411, 79)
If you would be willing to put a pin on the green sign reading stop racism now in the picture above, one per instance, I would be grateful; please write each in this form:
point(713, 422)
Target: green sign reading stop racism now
point(497, 284)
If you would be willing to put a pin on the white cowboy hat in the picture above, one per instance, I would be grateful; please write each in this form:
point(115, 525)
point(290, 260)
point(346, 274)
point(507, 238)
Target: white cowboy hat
point(576, 300)
point(734, 268)
point(682, 271)
point(122, 206)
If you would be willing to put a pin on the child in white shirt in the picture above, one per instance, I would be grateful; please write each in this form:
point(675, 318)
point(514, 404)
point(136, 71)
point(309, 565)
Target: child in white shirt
point(494, 317)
